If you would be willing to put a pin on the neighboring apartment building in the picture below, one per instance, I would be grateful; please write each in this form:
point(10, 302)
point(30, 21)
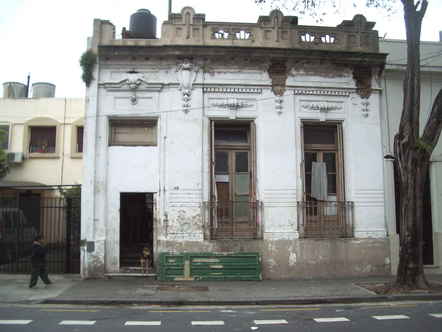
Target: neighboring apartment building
point(431, 83)
point(236, 137)
point(44, 141)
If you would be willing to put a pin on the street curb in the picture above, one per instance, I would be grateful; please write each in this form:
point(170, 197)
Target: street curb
point(294, 301)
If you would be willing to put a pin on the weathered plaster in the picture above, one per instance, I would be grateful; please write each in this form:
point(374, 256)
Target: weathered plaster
point(302, 258)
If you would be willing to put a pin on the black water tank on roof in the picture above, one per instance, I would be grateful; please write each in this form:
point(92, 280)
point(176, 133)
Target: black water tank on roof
point(143, 25)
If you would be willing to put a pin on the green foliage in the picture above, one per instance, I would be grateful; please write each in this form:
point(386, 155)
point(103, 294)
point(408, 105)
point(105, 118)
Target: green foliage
point(88, 61)
point(4, 165)
point(318, 9)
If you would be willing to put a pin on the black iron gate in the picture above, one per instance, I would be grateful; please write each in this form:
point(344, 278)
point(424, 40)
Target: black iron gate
point(57, 219)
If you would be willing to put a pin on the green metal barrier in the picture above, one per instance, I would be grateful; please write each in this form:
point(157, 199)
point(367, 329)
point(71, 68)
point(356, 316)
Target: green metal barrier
point(210, 266)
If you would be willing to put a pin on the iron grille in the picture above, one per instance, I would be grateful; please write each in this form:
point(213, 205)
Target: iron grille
point(234, 219)
point(325, 219)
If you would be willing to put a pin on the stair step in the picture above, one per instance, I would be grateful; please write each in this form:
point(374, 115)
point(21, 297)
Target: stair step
point(130, 274)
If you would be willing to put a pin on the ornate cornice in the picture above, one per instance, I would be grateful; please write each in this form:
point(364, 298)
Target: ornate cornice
point(322, 92)
point(232, 90)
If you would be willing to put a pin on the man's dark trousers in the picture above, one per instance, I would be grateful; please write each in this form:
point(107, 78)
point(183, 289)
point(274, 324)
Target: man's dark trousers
point(39, 270)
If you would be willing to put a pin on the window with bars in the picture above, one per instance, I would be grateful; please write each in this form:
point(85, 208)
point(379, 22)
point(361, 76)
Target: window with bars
point(133, 132)
point(42, 139)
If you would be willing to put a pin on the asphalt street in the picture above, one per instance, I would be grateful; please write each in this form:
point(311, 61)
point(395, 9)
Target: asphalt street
point(398, 316)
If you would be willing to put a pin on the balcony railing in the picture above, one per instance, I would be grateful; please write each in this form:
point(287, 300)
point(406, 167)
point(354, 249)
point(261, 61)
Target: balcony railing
point(234, 219)
point(325, 219)
point(41, 148)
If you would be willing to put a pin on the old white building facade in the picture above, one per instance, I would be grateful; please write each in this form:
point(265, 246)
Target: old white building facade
point(237, 137)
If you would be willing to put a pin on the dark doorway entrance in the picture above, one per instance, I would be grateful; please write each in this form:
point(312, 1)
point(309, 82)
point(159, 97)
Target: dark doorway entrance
point(136, 227)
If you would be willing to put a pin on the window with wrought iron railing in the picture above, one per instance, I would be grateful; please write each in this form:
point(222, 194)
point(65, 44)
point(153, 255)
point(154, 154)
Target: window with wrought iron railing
point(233, 208)
point(43, 139)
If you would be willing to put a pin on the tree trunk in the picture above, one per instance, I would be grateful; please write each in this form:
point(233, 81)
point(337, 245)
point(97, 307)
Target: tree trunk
point(412, 169)
point(412, 159)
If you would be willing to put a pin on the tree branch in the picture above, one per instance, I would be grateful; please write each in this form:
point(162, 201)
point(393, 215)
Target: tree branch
point(433, 128)
point(423, 9)
point(417, 5)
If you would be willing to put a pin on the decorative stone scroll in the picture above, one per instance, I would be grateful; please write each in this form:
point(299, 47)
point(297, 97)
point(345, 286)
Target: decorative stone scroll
point(278, 73)
point(279, 101)
point(186, 76)
point(134, 82)
point(365, 108)
point(362, 76)
point(322, 107)
point(233, 105)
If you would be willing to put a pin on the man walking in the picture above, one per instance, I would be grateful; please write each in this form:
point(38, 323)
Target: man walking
point(38, 262)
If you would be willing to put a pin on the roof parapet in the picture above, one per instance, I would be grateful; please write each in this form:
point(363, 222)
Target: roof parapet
point(273, 31)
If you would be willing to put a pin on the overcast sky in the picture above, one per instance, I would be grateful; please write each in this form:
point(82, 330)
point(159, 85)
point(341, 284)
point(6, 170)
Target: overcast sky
point(47, 37)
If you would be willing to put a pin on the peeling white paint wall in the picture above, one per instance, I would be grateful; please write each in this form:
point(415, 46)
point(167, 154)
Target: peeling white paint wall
point(177, 169)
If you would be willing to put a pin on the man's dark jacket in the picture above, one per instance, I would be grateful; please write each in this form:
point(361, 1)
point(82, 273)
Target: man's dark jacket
point(38, 254)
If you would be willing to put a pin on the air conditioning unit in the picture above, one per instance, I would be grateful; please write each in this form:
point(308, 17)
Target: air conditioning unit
point(15, 157)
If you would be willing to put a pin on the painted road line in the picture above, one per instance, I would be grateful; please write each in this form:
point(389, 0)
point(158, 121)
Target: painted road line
point(77, 322)
point(179, 310)
point(292, 309)
point(389, 306)
point(331, 320)
point(69, 310)
point(436, 315)
point(15, 322)
point(386, 317)
point(270, 322)
point(143, 323)
point(208, 322)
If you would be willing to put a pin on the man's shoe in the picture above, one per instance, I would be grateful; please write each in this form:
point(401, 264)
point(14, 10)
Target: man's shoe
point(31, 286)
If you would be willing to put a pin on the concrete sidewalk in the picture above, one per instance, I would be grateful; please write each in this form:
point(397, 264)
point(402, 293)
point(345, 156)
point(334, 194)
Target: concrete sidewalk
point(70, 289)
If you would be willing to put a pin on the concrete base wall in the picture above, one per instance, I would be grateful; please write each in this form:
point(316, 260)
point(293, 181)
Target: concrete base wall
point(302, 258)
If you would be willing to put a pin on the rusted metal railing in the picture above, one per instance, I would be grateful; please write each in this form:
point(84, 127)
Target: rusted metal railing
point(325, 219)
point(234, 219)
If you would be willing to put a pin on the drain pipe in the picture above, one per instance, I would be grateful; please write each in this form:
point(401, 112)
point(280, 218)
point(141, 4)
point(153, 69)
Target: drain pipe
point(170, 10)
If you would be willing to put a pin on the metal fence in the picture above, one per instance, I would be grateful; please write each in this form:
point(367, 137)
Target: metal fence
point(325, 219)
point(57, 219)
point(234, 219)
